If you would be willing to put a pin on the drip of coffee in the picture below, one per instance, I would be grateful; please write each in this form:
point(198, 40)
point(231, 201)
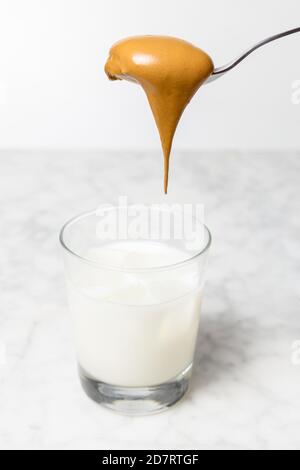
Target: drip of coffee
point(170, 71)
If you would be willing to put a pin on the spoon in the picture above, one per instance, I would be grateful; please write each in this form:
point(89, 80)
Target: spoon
point(219, 71)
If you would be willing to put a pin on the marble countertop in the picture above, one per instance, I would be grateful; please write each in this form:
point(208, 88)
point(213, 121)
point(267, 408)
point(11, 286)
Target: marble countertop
point(245, 391)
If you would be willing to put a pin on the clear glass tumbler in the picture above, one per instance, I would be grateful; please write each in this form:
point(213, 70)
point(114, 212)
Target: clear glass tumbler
point(134, 296)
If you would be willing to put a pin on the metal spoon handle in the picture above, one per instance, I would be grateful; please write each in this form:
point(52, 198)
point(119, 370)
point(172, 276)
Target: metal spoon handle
point(219, 71)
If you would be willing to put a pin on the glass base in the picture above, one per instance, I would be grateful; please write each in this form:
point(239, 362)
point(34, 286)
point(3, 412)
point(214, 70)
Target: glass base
point(136, 400)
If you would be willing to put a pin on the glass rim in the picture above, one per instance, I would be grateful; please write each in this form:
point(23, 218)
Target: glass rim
point(86, 214)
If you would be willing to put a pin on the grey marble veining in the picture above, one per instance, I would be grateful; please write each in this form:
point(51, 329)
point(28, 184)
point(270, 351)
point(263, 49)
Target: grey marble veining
point(246, 387)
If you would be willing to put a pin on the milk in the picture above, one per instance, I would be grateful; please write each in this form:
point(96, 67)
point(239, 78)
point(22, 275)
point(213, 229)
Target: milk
point(133, 327)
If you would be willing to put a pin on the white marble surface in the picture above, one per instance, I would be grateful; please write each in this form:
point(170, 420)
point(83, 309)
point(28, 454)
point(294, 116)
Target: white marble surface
point(246, 389)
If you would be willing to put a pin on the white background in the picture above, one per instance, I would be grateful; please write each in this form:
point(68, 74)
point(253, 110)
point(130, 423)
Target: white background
point(54, 94)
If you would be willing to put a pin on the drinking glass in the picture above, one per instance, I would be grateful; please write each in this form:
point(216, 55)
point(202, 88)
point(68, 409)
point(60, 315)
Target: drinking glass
point(134, 295)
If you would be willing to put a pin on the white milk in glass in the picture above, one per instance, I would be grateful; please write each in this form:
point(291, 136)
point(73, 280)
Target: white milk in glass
point(135, 326)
